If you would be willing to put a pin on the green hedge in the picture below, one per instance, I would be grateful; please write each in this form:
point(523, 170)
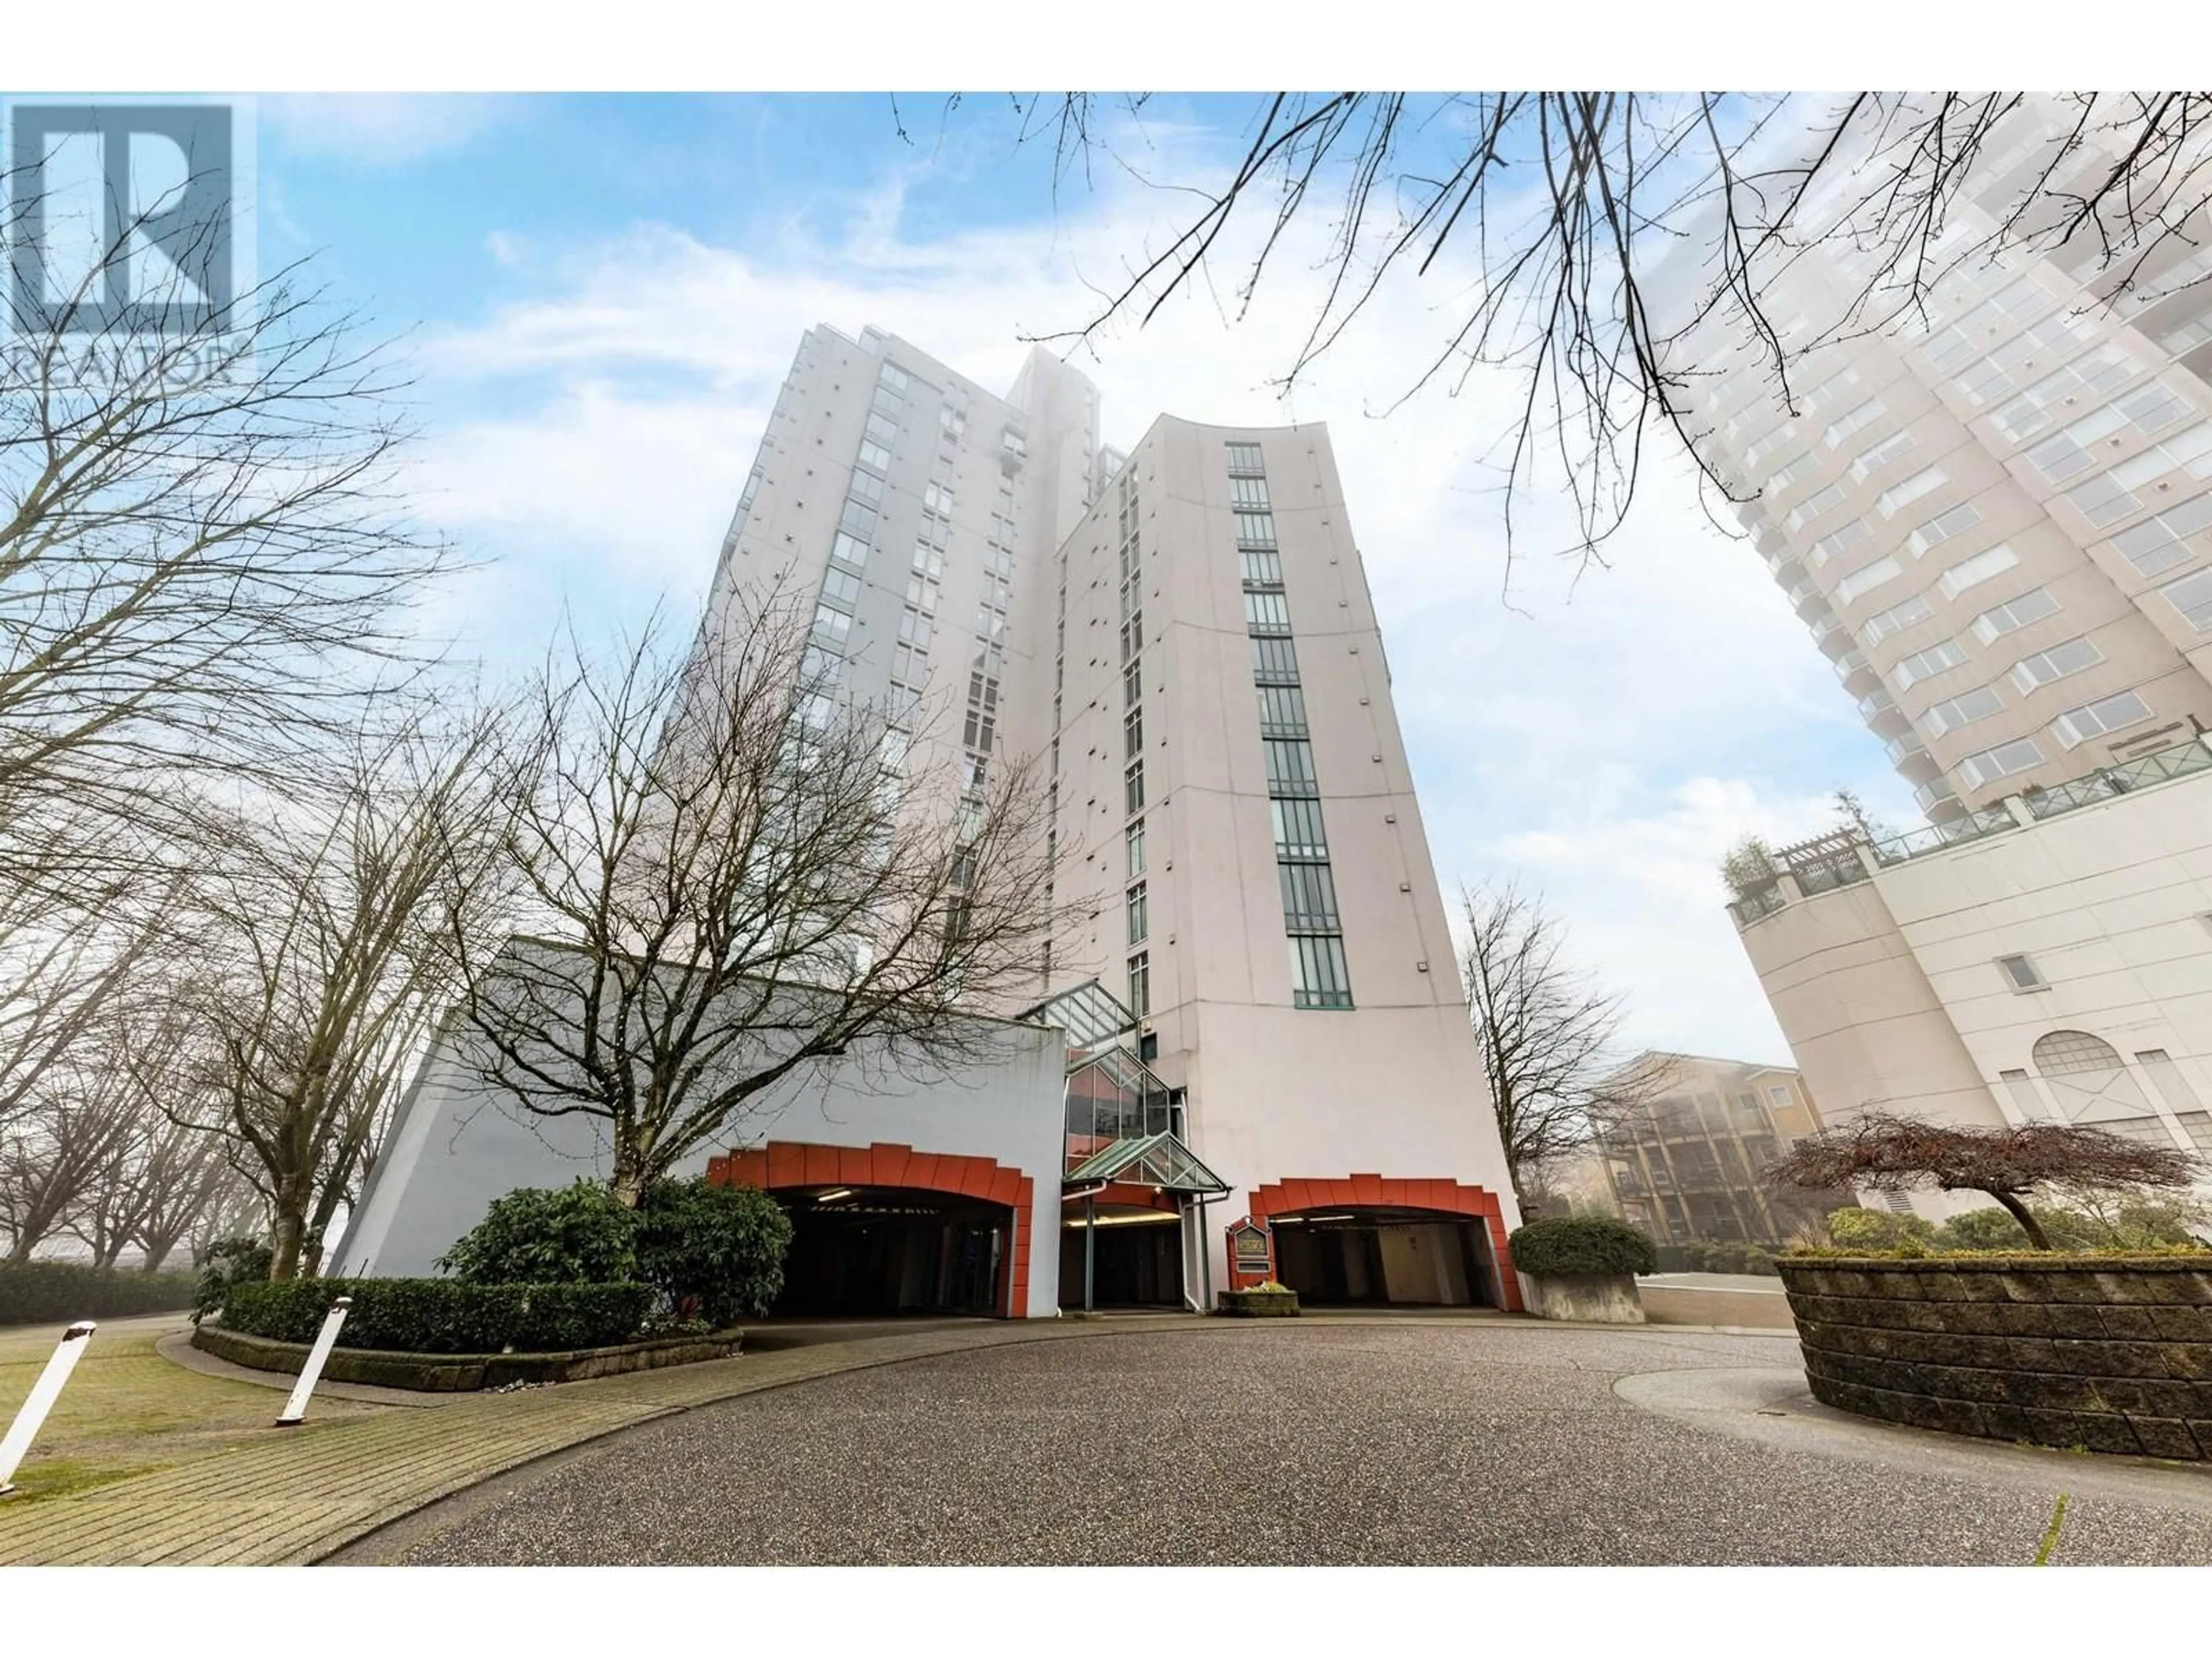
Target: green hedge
point(1582, 1244)
point(55, 1293)
point(715, 1253)
point(2084, 1258)
point(436, 1315)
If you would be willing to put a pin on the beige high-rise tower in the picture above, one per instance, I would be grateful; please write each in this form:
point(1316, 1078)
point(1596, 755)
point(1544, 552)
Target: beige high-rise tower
point(1183, 639)
point(1994, 521)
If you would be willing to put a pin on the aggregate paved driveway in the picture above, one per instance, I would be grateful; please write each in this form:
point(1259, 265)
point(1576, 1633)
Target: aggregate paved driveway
point(1323, 1443)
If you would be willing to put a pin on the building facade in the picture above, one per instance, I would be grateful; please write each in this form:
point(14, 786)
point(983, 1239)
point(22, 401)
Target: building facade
point(1253, 985)
point(2051, 964)
point(1995, 519)
point(1686, 1165)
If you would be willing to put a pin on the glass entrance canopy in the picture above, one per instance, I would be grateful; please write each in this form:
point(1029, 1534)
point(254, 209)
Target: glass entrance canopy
point(1112, 1097)
point(1158, 1160)
point(1091, 1015)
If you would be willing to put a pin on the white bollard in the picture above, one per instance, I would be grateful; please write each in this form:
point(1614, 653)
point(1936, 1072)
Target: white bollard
point(295, 1408)
point(44, 1393)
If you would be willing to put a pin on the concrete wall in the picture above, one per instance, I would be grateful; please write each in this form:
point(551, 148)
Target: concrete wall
point(1864, 1024)
point(458, 1145)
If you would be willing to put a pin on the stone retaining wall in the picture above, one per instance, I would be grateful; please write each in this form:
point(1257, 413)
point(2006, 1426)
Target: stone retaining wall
point(2111, 1354)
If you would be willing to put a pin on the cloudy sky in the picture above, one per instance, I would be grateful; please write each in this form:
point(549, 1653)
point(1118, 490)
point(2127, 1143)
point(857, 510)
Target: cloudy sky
point(602, 295)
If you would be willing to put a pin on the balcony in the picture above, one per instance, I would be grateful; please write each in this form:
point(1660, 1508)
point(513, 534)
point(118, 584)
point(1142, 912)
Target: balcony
point(1857, 673)
point(2158, 767)
point(1929, 796)
point(1830, 874)
point(1758, 902)
point(1970, 826)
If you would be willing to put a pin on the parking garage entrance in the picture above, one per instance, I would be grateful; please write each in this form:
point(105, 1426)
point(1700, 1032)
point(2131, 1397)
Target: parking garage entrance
point(1385, 1257)
point(877, 1250)
point(884, 1229)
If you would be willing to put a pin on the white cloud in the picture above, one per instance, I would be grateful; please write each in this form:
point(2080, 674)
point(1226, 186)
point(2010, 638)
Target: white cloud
point(376, 129)
point(1605, 739)
point(1640, 891)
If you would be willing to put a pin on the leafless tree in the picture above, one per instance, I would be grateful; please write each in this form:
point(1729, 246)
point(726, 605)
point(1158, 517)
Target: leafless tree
point(1609, 251)
point(329, 924)
point(176, 1177)
point(1548, 1037)
point(203, 557)
point(84, 907)
point(168, 1176)
point(736, 874)
point(61, 1157)
point(1881, 1151)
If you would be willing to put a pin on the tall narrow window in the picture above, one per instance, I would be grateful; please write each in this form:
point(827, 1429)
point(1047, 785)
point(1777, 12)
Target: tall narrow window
point(1319, 978)
point(1136, 914)
point(1318, 975)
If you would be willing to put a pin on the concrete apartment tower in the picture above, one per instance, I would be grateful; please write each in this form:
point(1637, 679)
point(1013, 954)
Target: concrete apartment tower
point(1996, 522)
point(1993, 521)
point(1184, 637)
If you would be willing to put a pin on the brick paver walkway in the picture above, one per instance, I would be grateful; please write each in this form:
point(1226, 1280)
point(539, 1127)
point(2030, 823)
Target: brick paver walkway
point(291, 1495)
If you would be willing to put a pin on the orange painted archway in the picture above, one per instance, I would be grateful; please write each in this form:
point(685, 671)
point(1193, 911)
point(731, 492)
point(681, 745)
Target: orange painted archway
point(1294, 1197)
point(787, 1164)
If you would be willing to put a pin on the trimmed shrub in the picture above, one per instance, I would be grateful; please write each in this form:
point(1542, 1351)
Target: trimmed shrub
point(55, 1293)
point(580, 1234)
point(1582, 1244)
point(1880, 1229)
point(715, 1252)
point(438, 1315)
point(1980, 1229)
point(238, 1260)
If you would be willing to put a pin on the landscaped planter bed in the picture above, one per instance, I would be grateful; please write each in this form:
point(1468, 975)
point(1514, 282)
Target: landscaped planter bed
point(459, 1373)
point(1594, 1298)
point(2107, 1353)
point(1277, 1303)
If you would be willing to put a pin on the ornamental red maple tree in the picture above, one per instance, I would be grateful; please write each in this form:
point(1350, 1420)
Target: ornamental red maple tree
point(1884, 1152)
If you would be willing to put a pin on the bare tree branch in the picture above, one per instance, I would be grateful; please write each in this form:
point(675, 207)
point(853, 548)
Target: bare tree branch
point(1616, 250)
point(1549, 1040)
point(736, 877)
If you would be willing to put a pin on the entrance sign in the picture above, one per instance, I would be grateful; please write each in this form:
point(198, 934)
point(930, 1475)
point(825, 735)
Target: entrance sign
point(1251, 1251)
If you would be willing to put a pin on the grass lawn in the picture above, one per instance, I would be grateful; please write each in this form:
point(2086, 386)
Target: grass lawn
point(127, 1410)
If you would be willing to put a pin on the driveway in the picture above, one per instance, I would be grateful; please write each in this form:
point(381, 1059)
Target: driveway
point(1316, 1441)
